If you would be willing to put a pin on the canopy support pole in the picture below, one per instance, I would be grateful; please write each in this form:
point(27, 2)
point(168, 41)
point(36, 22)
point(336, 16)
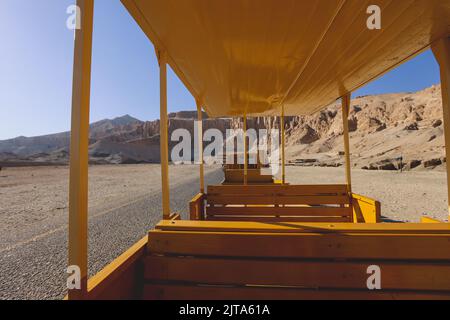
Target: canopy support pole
point(245, 150)
point(441, 50)
point(345, 112)
point(164, 135)
point(79, 144)
point(283, 148)
point(200, 145)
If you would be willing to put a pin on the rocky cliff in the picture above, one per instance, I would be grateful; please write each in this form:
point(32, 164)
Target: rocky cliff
point(387, 132)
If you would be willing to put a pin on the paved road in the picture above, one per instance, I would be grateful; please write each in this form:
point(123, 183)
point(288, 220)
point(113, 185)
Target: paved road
point(35, 269)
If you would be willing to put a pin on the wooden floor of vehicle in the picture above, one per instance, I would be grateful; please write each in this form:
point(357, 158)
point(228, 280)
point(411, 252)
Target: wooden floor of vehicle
point(251, 260)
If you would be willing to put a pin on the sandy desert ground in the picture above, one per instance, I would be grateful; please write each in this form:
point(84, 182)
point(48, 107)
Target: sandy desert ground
point(36, 198)
point(125, 202)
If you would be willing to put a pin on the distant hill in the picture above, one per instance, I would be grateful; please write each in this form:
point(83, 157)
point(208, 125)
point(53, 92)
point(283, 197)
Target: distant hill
point(25, 147)
point(120, 140)
point(384, 128)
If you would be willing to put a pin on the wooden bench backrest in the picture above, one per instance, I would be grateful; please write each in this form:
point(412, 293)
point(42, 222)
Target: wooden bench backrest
point(313, 203)
point(253, 176)
point(264, 261)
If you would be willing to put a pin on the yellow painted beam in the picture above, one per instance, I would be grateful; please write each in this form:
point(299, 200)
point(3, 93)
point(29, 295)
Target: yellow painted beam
point(429, 220)
point(164, 135)
point(79, 143)
point(316, 244)
point(441, 51)
point(345, 112)
point(365, 210)
point(416, 229)
point(283, 145)
point(197, 207)
point(200, 146)
point(245, 150)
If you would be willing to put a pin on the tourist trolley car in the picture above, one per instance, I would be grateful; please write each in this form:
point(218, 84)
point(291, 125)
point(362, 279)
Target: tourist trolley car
point(270, 240)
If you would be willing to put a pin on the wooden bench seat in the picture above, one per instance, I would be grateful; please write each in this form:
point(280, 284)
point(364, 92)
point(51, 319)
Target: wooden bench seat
point(248, 260)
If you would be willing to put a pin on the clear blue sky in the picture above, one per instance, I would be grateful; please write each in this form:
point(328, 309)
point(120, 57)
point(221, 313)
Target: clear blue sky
point(36, 69)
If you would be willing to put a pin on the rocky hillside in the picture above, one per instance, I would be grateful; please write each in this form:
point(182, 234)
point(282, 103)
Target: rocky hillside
point(119, 141)
point(384, 129)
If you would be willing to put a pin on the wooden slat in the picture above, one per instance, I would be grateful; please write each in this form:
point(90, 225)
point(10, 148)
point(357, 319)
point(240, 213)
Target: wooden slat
point(254, 179)
point(278, 189)
point(180, 292)
point(249, 183)
point(280, 219)
point(271, 200)
point(305, 245)
point(284, 211)
point(404, 275)
point(384, 228)
point(254, 175)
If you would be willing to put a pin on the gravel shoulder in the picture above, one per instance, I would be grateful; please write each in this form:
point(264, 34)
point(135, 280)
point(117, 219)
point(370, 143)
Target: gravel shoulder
point(34, 200)
point(33, 266)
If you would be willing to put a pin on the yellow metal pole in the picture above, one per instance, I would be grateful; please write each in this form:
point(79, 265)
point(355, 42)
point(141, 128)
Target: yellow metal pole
point(164, 136)
point(441, 51)
point(345, 112)
point(200, 146)
point(79, 143)
point(283, 141)
point(245, 150)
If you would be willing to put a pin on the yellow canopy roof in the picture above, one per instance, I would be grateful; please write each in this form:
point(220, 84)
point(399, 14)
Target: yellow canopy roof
point(254, 55)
